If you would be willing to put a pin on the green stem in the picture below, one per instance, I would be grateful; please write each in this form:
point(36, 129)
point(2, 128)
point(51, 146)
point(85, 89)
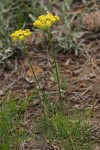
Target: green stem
point(33, 72)
point(56, 67)
point(44, 95)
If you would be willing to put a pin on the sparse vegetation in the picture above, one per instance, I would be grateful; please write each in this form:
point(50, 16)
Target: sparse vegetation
point(70, 133)
point(10, 135)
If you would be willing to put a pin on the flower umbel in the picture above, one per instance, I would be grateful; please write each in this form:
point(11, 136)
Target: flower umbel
point(45, 21)
point(21, 35)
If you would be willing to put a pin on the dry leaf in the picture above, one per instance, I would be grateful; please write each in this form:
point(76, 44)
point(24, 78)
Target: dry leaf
point(37, 71)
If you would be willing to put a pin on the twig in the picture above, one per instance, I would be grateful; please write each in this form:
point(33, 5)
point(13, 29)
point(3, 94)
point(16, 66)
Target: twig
point(95, 66)
point(86, 90)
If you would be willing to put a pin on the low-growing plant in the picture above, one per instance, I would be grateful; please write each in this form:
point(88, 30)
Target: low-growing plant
point(15, 14)
point(69, 41)
point(10, 136)
point(12, 133)
point(68, 133)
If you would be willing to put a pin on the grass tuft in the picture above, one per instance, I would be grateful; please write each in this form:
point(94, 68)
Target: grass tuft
point(11, 133)
point(70, 133)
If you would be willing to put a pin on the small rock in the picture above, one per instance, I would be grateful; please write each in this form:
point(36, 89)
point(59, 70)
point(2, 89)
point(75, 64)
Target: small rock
point(1, 93)
point(76, 72)
point(92, 76)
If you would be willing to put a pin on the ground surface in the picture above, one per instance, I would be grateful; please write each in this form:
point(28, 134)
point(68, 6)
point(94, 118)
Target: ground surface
point(82, 73)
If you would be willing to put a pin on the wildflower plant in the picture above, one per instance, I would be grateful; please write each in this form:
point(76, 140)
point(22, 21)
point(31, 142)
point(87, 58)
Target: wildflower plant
point(21, 36)
point(45, 22)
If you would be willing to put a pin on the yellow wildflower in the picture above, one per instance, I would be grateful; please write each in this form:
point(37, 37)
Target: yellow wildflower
point(45, 21)
point(21, 34)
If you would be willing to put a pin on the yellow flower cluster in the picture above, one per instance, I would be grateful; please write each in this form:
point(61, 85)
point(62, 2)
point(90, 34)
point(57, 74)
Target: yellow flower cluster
point(21, 34)
point(46, 21)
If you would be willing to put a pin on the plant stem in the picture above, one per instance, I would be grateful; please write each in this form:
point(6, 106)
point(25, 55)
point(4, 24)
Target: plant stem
point(44, 95)
point(37, 82)
point(57, 73)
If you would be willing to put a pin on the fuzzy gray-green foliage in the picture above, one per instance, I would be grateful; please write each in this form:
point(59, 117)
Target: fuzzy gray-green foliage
point(14, 15)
